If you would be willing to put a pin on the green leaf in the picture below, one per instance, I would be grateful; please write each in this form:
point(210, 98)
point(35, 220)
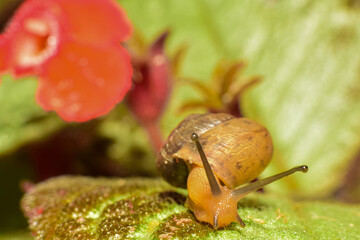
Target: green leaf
point(306, 51)
point(100, 208)
point(22, 120)
point(19, 235)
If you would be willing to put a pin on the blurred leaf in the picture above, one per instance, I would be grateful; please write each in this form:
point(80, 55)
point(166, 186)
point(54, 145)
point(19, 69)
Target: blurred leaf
point(306, 51)
point(22, 120)
point(130, 145)
point(20, 235)
point(90, 208)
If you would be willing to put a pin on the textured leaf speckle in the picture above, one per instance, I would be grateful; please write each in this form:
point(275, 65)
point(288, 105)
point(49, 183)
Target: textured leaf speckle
point(100, 208)
point(86, 208)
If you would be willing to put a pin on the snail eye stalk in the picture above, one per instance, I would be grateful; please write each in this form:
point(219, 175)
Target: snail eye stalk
point(243, 191)
point(214, 185)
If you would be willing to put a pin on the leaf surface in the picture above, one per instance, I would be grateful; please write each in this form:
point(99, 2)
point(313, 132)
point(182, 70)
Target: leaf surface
point(99, 208)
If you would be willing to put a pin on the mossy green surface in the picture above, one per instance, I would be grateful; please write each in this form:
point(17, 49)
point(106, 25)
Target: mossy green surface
point(98, 208)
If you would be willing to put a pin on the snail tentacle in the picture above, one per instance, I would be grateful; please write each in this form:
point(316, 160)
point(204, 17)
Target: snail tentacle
point(216, 221)
point(243, 191)
point(240, 221)
point(214, 185)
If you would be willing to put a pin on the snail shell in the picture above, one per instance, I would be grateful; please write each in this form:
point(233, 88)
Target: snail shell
point(238, 149)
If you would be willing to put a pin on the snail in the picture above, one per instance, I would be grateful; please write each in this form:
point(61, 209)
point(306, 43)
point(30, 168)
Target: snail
point(211, 155)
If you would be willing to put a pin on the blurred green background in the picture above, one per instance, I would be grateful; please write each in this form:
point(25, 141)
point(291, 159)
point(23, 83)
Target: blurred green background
point(306, 51)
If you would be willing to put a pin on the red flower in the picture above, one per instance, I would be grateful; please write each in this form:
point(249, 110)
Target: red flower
point(152, 82)
point(151, 89)
point(73, 46)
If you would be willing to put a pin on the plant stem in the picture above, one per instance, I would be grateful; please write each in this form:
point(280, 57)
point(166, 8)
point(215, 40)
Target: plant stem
point(154, 134)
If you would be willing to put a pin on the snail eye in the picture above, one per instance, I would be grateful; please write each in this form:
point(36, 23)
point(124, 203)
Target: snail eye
point(221, 182)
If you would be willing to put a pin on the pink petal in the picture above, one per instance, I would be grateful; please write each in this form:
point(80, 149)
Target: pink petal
point(32, 37)
point(94, 20)
point(38, 28)
point(85, 81)
point(5, 54)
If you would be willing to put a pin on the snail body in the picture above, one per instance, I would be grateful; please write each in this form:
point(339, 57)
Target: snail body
point(211, 155)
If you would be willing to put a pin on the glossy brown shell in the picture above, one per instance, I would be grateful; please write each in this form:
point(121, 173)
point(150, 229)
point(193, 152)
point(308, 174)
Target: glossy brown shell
point(175, 171)
point(238, 149)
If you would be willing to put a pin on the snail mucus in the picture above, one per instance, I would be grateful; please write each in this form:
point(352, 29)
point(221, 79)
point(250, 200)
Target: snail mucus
point(211, 155)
